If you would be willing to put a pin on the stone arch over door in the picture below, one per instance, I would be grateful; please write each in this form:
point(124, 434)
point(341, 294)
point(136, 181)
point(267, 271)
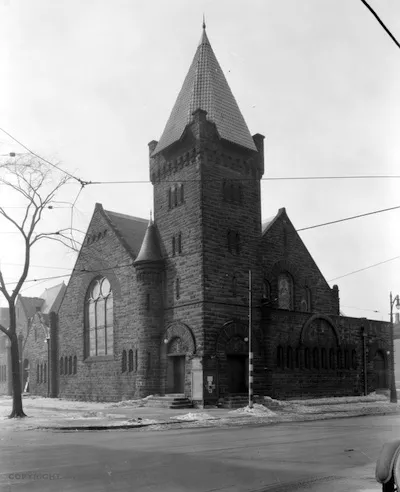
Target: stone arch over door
point(232, 351)
point(178, 345)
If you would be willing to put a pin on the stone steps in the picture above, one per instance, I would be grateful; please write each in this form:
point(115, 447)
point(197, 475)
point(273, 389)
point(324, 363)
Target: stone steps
point(169, 401)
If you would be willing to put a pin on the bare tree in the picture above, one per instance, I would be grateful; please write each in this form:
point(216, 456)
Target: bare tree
point(37, 186)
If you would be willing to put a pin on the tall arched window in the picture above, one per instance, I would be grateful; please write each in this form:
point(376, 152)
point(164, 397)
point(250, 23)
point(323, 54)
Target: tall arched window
point(315, 358)
point(331, 358)
point(234, 286)
point(305, 303)
point(289, 358)
point(61, 366)
point(75, 364)
point(279, 356)
point(181, 194)
point(41, 373)
point(65, 365)
point(266, 290)
point(99, 318)
point(45, 373)
point(123, 361)
point(70, 365)
point(324, 364)
point(307, 358)
point(285, 291)
point(130, 365)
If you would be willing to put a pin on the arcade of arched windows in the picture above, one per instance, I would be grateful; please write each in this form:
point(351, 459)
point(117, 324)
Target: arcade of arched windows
point(315, 358)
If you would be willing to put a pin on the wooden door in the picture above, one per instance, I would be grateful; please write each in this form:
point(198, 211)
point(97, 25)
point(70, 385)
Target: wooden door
point(179, 373)
point(237, 373)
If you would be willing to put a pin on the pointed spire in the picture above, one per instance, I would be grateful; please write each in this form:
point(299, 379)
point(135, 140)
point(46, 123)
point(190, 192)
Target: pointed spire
point(204, 22)
point(150, 250)
point(206, 88)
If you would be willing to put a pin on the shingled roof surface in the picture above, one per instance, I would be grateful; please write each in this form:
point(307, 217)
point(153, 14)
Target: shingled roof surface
point(52, 298)
point(150, 250)
point(131, 229)
point(206, 88)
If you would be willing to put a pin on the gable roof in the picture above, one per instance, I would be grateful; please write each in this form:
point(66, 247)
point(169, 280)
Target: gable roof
point(52, 298)
point(130, 230)
point(205, 87)
point(31, 305)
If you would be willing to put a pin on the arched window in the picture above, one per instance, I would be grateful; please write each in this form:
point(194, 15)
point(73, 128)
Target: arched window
point(136, 360)
point(180, 243)
point(99, 318)
point(279, 357)
point(331, 358)
point(339, 359)
point(354, 359)
point(61, 366)
point(305, 303)
point(230, 241)
point(41, 373)
point(45, 373)
point(324, 364)
point(169, 198)
point(307, 358)
point(70, 365)
point(237, 240)
point(297, 358)
point(37, 374)
point(289, 358)
point(65, 366)
point(175, 196)
point(181, 195)
point(75, 364)
point(315, 358)
point(123, 361)
point(266, 290)
point(130, 360)
point(177, 288)
point(173, 246)
point(234, 286)
point(285, 291)
point(346, 359)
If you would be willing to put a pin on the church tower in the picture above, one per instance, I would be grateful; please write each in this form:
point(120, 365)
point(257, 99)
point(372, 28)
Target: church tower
point(206, 170)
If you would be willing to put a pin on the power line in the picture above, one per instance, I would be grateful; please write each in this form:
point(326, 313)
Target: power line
point(43, 159)
point(348, 218)
point(366, 268)
point(381, 23)
point(276, 178)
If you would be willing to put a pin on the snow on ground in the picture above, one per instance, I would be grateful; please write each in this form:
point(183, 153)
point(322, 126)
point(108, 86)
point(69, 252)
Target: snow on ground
point(257, 410)
point(194, 416)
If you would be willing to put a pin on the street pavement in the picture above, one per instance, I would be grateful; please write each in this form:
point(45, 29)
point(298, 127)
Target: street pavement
point(331, 455)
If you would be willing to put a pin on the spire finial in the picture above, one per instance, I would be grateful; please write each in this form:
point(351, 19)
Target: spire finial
point(204, 21)
point(151, 217)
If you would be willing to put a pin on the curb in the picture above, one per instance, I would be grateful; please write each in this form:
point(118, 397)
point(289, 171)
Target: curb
point(302, 418)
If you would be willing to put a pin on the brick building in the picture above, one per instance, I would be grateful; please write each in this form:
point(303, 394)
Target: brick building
point(162, 307)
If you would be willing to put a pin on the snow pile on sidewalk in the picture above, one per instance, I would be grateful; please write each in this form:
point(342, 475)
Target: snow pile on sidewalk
point(193, 416)
point(257, 410)
point(138, 402)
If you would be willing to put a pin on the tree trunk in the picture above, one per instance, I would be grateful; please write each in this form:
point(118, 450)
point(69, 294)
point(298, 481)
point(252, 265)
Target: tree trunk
point(17, 410)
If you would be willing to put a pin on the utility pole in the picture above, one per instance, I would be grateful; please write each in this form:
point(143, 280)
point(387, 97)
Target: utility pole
point(393, 390)
point(250, 345)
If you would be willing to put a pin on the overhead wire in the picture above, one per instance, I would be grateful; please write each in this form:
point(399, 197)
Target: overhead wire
point(381, 22)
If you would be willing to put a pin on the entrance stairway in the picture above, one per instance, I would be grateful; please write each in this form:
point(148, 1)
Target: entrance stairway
point(175, 401)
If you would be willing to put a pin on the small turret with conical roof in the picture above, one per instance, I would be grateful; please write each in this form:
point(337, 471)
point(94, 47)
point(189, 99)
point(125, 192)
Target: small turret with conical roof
point(149, 266)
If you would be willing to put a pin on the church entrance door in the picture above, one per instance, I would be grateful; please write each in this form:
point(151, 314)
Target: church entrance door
point(237, 373)
point(380, 370)
point(176, 374)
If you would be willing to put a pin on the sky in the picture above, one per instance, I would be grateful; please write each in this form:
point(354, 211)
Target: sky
point(87, 85)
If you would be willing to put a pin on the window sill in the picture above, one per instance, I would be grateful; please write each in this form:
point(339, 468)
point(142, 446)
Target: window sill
point(99, 358)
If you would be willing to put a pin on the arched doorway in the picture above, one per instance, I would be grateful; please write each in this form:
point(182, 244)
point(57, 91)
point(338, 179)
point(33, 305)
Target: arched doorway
point(237, 364)
point(175, 366)
point(380, 370)
point(25, 376)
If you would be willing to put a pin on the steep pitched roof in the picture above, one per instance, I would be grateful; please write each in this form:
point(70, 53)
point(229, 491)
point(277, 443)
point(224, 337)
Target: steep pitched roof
point(206, 88)
point(52, 298)
point(150, 250)
point(131, 230)
point(31, 305)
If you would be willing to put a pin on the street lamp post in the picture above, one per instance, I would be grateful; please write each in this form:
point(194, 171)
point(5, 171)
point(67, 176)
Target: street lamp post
point(250, 344)
point(393, 390)
point(47, 341)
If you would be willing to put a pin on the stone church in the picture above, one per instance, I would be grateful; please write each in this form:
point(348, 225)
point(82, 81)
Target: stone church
point(162, 306)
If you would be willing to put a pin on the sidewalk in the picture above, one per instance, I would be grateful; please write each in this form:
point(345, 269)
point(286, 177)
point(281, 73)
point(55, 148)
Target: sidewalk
point(53, 413)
